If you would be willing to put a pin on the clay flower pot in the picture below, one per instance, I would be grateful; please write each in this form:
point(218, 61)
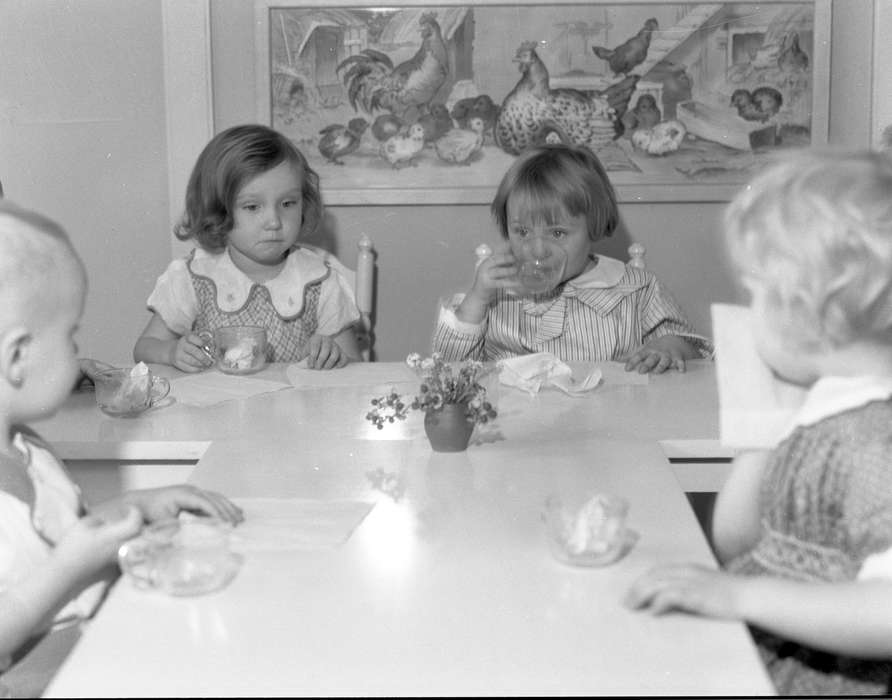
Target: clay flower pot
point(448, 429)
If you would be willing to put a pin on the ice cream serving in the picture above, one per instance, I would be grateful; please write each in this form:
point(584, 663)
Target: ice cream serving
point(592, 535)
point(128, 392)
point(240, 349)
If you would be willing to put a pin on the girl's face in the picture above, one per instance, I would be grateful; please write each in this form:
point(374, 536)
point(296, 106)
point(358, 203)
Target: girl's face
point(267, 219)
point(568, 232)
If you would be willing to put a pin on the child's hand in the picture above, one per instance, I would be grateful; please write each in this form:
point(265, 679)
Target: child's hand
point(169, 501)
point(689, 588)
point(666, 352)
point(498, 271)
point(189, 354)
point(92, 542)
point(324, 353)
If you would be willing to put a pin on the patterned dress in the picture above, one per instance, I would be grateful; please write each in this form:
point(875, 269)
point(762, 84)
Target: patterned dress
point(603, 314)
point(826, 506)
point(206, 291)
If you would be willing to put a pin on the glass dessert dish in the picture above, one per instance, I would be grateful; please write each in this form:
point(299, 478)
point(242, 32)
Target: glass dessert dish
point(125, 393)
point(594, 534)
point(240, 349)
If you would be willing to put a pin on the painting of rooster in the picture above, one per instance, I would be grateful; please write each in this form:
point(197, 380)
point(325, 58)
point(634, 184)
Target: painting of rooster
point(386, 101)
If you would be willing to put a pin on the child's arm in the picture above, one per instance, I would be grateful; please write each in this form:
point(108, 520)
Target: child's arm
point(161, 345)
point(735, 521)
point(169, 501)
point(28, 606)
point(328, 352)
point(662, 353)
point(852, 618)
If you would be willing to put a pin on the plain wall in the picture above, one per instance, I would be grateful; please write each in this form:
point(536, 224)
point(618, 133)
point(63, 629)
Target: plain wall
point(82, 137)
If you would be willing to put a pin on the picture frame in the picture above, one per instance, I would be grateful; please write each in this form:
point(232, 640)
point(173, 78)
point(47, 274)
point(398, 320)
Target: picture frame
point(681, 101)
point(881, 110)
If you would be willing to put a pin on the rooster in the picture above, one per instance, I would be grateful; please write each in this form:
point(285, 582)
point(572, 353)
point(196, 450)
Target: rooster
point(532, 110)
point(623, 58)
point(406, 90)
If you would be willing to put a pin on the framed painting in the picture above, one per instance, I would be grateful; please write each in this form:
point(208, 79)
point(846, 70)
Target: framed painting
point(430, 103)
point(881, 113)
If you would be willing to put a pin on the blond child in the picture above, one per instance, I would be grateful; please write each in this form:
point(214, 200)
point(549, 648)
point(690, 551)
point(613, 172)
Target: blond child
point(250, 197)
point(804, 531)
point(599, 309)
point(56, 557)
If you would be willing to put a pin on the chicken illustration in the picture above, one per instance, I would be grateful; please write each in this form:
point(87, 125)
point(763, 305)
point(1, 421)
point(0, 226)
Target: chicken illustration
point(436, 123)
point(623, 58)
point(374, 83)
point(338, 140)
point(759, 105)
point(660, 139)
point(791, 57)
point(645, 114)
point(532, 109)
point(385, 126)
point(480, 106)
point(458, 145)
point(400, 150)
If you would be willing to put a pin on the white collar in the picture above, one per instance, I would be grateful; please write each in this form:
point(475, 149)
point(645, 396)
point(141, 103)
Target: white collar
point(607, 273)
point(832, 395)
point(302, 267)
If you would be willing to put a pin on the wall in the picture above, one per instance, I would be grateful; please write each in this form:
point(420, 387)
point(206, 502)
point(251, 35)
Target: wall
point(82, 137)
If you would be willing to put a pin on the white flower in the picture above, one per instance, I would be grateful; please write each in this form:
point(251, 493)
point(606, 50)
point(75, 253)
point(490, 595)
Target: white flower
point(428, 364)
point(413, 360)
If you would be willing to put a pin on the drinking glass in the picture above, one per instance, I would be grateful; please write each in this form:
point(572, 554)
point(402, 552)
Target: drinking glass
point(541, 264)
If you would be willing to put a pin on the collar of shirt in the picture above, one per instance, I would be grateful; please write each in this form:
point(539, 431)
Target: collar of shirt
point(599, 288)
point(302, 267)
point(832, 395)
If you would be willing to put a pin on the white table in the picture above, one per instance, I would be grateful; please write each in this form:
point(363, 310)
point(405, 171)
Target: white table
point(449, 590)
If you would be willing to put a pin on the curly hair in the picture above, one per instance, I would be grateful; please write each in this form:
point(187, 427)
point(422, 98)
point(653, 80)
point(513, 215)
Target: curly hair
point(557, 179)
point(227, 162)
point(815, 231)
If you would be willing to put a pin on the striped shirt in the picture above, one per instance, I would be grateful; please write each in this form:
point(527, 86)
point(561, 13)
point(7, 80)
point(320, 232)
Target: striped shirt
point(603, 314)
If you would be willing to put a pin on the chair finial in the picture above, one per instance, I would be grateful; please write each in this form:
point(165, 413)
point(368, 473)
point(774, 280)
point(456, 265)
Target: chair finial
point(636, 256)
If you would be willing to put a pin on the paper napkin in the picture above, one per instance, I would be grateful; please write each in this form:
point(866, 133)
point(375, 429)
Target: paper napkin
point(213, 387)
point(275, 524)
point(531, 373)
point(755, 407)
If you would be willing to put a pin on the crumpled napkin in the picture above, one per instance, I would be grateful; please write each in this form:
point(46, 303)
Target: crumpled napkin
point(542, 369)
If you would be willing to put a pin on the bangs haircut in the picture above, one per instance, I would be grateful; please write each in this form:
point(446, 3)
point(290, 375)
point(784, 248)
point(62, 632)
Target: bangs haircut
point(226, 164)
point(815, 230)
point(551, 181)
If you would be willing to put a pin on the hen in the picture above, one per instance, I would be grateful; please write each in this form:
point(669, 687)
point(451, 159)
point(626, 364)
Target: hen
point(532, 110)
point(406, 90)
point(623, 58)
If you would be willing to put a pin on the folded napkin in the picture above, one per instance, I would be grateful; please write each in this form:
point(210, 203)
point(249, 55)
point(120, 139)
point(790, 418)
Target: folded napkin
point(533, 372)
point(213, 387)
point(276, 524)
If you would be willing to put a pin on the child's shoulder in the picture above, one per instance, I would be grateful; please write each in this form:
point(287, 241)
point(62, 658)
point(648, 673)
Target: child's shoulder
point(312, 258)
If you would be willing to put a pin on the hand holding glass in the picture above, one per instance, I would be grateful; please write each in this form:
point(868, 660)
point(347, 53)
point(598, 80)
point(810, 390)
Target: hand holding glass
point(541, 264)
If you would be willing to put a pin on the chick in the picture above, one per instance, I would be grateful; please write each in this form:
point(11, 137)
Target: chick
point(436, 123)
point(385, 126)
point(645, 114)
point(758, 105)
point(400, 150)
point(338, 140)
point(662, 138)
point(458, 145)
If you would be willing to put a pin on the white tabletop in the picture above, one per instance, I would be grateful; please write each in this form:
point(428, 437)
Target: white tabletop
point(680, 410)
point(448, 590)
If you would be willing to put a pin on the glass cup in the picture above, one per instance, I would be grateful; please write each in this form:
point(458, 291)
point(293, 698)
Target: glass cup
point(593, 534)
point(240, 349)
point(541, 265)
point(181, 557)
point(125, 394)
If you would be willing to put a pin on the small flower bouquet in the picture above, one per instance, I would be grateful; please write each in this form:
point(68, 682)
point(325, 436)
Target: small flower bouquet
point(442, 385)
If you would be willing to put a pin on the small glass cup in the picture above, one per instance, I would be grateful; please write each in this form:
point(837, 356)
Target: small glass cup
point(240, 349)
point(541, 266)
point(594, 534)
point(123, 394)
point(181, 557)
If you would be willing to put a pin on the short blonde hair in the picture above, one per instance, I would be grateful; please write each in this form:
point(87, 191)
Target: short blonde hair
point(814, 230)
point(33, 251)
